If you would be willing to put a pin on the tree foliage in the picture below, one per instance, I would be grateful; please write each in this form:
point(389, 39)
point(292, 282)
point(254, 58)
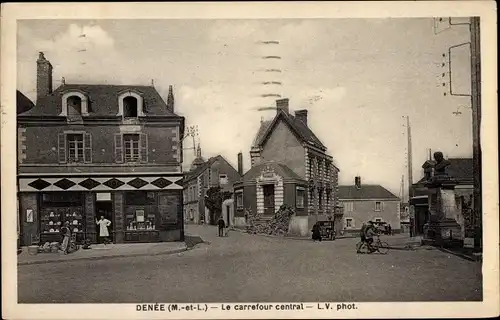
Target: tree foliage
point(214, 198)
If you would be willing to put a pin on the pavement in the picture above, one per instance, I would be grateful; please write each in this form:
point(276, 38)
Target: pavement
point(102, 252)
point(244, 267)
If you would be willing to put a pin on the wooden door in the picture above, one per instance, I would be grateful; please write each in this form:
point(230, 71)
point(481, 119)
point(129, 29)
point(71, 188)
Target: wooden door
point(268, 190)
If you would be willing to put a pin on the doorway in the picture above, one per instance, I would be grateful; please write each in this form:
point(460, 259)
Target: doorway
point(105, 209)
point(268, 191)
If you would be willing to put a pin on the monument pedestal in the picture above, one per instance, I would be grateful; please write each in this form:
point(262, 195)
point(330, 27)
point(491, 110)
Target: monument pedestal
point(443, 228)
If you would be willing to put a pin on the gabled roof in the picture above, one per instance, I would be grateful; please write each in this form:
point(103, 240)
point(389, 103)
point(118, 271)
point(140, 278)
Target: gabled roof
point(23, 102)
point(279, 168)
point(366, 192)
point(460, 169)
point(301, 130)
point(103, 100)
point(200, 169)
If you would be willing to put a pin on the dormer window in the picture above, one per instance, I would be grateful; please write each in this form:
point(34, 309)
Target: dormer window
point(130, 104)
point(130, 107)
point(74, 103)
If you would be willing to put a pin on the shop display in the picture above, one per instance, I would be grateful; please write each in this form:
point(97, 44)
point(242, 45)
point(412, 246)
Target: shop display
point(53, 219)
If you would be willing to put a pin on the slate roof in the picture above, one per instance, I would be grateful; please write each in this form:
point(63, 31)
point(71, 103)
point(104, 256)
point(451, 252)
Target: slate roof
point(279, 168)
point(365, 192)
point(103, 100)
point(460, 169)
point(303, 132)
point(190, 175)
point(23, 102)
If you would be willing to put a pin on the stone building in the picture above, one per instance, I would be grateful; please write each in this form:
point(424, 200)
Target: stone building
point(362, 203)
point(87, 151)
point(291, 166)
point(214, 172)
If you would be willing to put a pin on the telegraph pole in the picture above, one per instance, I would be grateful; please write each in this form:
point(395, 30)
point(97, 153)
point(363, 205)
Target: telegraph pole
point(410, 172)
point(475, 46)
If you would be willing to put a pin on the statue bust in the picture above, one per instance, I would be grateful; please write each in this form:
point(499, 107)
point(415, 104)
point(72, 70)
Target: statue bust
point(440, 164)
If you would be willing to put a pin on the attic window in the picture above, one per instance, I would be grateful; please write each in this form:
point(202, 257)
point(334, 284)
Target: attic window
point(130, 104)
point(74, 103)
point(130, 107)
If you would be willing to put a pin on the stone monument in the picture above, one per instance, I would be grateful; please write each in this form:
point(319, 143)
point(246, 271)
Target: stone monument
point(442, 229)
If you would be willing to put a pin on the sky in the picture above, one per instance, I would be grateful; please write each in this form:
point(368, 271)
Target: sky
point(357, 78)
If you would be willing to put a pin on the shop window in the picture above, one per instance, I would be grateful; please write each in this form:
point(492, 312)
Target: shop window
point(378, 206)
point(239, 199)
point(75, 147)
point(300, 197)
point(56, 209)
point(139, 198)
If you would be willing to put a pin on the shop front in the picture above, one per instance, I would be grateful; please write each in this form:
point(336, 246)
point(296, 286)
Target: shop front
point(151, 215)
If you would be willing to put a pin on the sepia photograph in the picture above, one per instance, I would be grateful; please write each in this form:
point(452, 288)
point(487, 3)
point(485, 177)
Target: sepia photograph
point(250, 164)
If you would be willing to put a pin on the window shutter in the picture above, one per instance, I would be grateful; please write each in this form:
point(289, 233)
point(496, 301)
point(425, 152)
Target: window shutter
point(118, 148)
point(144, 147)
point(87, 144)
point(61, 143)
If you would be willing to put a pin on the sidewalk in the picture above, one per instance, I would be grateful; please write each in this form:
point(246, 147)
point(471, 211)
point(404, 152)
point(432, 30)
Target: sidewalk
point(101, 252)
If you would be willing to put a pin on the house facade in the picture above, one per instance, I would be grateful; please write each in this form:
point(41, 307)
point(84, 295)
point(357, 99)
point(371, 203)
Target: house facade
point(214, 172)
point(87, 151)
point(363, 203)
point(289, 165)
point(461, 169)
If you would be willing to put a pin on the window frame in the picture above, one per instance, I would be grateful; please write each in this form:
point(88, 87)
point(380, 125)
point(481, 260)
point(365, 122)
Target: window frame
point(138, 159)
point(63, 147)
point(297, 191)
point(140, 103)
point(348, 206)
point(78, 150)
point(353, 224)
point(381, 206)
point(221, 175)
point(239, 195)
point(84, 103)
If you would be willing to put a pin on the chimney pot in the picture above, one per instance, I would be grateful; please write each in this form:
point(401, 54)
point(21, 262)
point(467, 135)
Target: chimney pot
point(301, 115)
point(357, 182)
point(282, 104)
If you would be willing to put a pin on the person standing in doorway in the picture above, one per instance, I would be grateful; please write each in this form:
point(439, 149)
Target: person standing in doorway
point(221, 224)
point(103, 229)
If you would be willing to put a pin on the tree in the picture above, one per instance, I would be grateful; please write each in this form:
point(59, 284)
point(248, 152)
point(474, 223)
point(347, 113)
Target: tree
point(214, 198)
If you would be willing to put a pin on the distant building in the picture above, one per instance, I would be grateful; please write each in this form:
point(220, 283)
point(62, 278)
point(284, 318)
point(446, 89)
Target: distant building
point(460, 169)
point(362, 203)
point(91, 150)
point(290, 166)
point(214, 172)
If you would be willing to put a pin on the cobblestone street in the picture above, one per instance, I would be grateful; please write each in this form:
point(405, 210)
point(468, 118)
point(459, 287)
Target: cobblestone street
point(246, 267)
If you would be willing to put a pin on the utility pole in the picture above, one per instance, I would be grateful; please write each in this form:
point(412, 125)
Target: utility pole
point(410, 172)
point(475, 46)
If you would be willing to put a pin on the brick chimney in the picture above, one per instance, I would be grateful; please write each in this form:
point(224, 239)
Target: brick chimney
point(43, 77)
point(170, 99)
point(282, 104)
point(301, 115)
point(240, 164)
point(357, 182)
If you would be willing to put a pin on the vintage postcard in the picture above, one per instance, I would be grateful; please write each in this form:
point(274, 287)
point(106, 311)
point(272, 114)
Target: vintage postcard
point(249, 160)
